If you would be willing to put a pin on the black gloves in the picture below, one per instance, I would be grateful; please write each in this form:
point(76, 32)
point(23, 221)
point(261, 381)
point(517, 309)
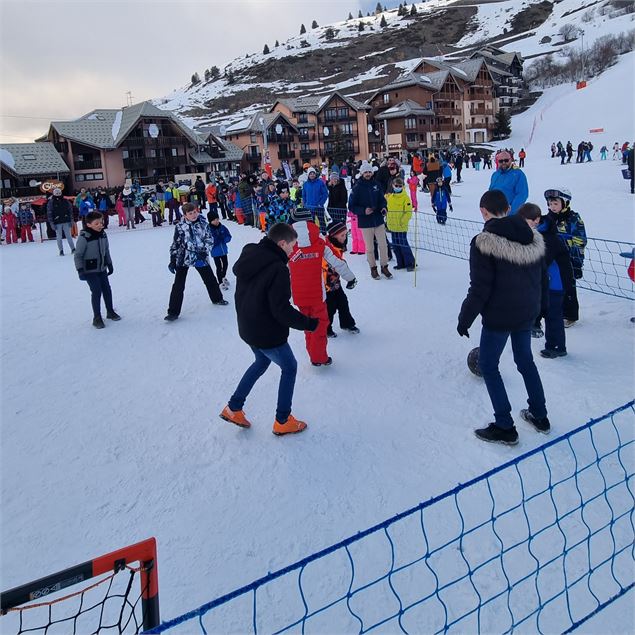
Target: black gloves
point(312, 324)
point(172, 267)
point(82, 274)
point(110, 268)
point(451, 208)
point(461, 329)
point(351, 284)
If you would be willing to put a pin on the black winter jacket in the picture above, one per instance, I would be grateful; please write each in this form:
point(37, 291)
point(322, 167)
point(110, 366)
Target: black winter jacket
point(263, 294)
point(367, 194)
point(59, 211)
point(507, 274)
point(338, 196)
point(556, 251)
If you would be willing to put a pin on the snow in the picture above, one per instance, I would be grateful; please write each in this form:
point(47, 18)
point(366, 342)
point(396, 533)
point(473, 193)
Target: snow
point(116, 124)
point(131, 446)
point(112, 436)
point(7, 158)
point(243, 123)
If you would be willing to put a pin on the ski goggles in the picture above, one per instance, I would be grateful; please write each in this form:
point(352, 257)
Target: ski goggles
point(554, 194)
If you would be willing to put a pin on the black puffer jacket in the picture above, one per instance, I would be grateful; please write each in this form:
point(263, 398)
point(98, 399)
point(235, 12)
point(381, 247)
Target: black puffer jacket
point(59, 211)
point(263, 294)
point(507, 273)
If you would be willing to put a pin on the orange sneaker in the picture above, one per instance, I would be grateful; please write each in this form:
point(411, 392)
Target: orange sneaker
point(237, 418)
point(291, 426)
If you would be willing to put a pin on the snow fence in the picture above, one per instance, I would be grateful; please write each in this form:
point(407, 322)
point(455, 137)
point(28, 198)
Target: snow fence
point(540, 544)
point(606, 262)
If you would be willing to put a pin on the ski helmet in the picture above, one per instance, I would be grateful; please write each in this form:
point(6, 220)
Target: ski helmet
point(562, 193)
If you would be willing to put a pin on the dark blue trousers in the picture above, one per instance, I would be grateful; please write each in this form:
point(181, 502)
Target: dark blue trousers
point(491, 348)
point(99, 285)
point(402, 250)
point(554, 323)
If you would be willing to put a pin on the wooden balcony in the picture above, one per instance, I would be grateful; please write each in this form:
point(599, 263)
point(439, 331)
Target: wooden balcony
point(481, 110)
point(444, 111)
point(95, 164)
point(286, 154)
point(443, 127)
point(308, 153)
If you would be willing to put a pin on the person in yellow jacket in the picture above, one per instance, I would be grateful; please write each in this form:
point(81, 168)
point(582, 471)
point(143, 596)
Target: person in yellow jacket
point(399, 213)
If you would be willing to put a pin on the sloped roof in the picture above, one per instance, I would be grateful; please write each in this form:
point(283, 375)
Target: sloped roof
point(465, 70)
point(200, 157)
point(353, 103)
point(231, 151)
point(505, 58)
point(25, 159)
point(432, 81)
point(252, 124)
point(405, 108)
point(107, 128)
point(309, 104)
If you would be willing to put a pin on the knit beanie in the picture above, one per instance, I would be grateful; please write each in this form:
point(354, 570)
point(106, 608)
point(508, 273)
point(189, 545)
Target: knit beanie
point(365, 167)
point(335, 227)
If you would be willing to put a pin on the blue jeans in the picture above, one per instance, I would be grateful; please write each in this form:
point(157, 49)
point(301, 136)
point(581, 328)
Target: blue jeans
point(492, 345)
point(283, 357)
point(402, 249)
point(554, 323)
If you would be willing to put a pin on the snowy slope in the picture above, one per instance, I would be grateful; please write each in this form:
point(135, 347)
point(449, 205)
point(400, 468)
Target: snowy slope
point(492, 20)
point(111, 436)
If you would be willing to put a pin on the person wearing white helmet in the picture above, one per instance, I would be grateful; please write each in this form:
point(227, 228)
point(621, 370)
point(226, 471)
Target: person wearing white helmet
point(571, 230)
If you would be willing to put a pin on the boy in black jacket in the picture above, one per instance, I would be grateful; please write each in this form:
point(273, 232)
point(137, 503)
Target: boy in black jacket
point(506, 289)
point(263, 294)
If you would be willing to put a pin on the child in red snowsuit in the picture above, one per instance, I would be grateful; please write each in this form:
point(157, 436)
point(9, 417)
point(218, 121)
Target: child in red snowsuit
point(413, 185)
point(307, 282)
point(9, 224)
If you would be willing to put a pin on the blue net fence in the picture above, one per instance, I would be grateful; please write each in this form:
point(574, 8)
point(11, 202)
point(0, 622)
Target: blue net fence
point(605, 265)
point(539, 544)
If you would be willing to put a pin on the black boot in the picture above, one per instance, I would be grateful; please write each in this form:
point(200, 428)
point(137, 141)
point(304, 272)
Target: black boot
point(541, 425)
point(494, 434)
point(111, 315)
point(98, 323)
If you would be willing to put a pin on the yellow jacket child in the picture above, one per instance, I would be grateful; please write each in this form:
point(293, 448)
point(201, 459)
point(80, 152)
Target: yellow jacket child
point(399, 210)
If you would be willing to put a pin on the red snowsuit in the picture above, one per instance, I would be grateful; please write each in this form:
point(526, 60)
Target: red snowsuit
point(307, 284)
point(9, 223)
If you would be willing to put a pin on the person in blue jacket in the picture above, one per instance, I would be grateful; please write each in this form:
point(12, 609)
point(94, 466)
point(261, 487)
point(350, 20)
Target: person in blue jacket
point(511, 181)
point(314, 196)
point(221, 236)
point(447, 175)
point(86, 206)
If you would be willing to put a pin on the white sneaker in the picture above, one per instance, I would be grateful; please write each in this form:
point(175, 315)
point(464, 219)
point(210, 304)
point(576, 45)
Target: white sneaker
point(225, 284)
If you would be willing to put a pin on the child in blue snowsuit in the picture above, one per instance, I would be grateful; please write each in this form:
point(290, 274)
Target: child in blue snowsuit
point(440, 202)
point(221, 236)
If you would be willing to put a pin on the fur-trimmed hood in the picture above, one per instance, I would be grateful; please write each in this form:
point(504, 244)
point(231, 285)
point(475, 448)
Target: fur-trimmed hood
point(511, 239)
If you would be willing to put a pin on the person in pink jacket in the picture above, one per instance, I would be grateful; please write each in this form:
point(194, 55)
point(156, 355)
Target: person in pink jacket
point(413, 184)
point(9, 224)
point(358, 245)
point(121, 212)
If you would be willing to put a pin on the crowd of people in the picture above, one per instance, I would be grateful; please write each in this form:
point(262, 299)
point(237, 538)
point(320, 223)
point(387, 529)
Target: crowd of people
point(302, 259)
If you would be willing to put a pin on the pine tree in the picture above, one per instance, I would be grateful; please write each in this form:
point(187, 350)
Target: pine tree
point(413, 10)
point(266, 51)
point(196, 79)
point(360, 14)
point(314, 24)
point(230, 77)
point(214, 72)
point(350, 16)
point(302, 30)
point(378, 8)
point(360, 26)
point(502, 124)
point(385, 9)
point(329, 34)
point(207, 74)
point(383, 22)
point(277, 43)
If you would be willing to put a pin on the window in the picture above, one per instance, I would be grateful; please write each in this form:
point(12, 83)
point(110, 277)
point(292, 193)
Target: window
point(252, 137)
point(330, 114)
point(386, 98)
point(302, 118)
point(346, 128)
point(348, 144)
point(342, 113)
point(99, 176)
point(89, 177)
point(28, 157)
point(152, 152)
point(174, 152)
point(304, 147)
point(79, 177)
point(124, 154)
point(412, 137)
point(304, 133)
point(411, 123)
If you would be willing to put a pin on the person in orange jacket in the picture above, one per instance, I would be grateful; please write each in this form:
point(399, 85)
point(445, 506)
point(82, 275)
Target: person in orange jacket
point(307, 282)
point(211, 193)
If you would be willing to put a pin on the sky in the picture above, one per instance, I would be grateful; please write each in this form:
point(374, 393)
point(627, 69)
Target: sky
point(60, 59)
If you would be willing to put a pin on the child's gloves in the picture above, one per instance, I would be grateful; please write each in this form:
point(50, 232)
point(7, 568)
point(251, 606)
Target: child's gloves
point(351, 284)
point(110, 269)
point(313, 323)
point(461, 329)
point(82, 274)
point(451, 208)
point(172, 267)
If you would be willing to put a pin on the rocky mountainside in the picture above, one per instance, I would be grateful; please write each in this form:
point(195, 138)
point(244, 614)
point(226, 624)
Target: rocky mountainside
point(358, 56)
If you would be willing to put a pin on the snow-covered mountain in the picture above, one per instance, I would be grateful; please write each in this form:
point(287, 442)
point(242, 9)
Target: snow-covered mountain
point(342, 57)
